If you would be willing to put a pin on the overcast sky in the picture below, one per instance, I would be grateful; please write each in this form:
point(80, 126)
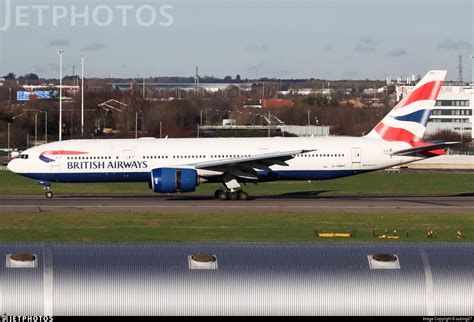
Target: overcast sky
point(332, 39)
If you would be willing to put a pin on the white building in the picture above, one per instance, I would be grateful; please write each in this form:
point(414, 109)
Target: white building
point(453, 110)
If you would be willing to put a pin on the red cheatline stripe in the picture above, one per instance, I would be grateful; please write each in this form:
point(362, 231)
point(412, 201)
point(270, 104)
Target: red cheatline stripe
point(429, 91)
point(64, 153)
point(395, 134)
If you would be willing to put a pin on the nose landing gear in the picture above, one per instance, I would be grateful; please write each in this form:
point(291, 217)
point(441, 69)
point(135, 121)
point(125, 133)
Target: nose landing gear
point(49, 194)
point(47, 187)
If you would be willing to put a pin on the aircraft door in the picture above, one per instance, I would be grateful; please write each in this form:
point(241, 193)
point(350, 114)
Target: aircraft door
point(356, 156)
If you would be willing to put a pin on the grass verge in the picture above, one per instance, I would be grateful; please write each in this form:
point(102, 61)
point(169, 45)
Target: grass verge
point(265, 227)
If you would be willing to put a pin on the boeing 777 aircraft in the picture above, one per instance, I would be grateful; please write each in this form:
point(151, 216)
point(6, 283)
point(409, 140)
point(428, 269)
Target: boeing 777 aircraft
point(180, 165)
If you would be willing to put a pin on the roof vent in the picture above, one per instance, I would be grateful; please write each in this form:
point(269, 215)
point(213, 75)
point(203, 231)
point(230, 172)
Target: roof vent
point(383, 257)
point(21, 260)
point(383, 261)
point(202, 261)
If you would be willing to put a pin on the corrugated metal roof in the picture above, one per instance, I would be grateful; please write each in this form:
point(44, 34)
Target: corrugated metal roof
point(251, 279)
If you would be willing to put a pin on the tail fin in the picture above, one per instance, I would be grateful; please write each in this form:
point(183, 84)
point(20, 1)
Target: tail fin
point(407, 121)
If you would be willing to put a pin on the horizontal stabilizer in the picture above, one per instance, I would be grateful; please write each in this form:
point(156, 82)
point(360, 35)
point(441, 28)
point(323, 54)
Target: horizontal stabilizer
point(425, 148)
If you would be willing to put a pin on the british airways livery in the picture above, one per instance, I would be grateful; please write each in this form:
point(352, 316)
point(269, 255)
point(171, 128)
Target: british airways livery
point(180, 165)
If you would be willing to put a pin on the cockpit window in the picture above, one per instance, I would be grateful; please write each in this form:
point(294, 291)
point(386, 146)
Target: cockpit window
point(23, 156)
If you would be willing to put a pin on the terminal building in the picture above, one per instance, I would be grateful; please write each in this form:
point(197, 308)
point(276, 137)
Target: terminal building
point(453, 110)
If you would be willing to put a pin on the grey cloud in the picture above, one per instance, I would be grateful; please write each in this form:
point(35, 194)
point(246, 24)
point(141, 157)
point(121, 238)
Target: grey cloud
point(368, 41)
point(361, 48)
point(59, 43)
point(93, 47)
point(366, 45)
point(397, 52)
point(328, 48)
point(454, 45)
point(255, 47)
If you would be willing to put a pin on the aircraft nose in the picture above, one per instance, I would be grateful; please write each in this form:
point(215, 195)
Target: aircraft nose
point(12, 166)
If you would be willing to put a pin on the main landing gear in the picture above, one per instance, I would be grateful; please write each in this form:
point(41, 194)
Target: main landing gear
point(47, 187)
point(232, 189)
point(231, 195)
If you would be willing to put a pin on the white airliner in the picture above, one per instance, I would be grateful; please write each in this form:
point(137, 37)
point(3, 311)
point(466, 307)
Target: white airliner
point(180, 165)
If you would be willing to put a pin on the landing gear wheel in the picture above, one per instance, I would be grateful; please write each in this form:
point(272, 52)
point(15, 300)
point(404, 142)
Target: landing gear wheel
point(233, 195)
point(49, 194)
point(217, 193)
point(222, 195)
point(243, 195)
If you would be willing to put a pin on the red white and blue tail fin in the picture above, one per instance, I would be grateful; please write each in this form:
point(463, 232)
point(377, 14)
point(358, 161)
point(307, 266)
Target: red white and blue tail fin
point(407, 121)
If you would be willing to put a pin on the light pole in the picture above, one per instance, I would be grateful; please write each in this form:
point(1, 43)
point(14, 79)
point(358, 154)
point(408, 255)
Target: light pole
point(61, 52)
point(136, 122)
point(36, 129)
point(82, 97)
point(9, 126)
point(161, 127)
point(46, 127)
point(136, 125)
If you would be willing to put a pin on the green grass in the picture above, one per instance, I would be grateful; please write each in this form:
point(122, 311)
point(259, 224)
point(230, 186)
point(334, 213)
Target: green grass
point(265, 227)
point(377, 183)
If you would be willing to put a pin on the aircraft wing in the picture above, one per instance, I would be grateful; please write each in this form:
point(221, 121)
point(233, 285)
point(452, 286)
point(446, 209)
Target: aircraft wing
point(425, 148)
point(244, 167)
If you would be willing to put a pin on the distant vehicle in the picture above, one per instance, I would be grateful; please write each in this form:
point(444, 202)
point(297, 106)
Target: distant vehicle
point(180, 165)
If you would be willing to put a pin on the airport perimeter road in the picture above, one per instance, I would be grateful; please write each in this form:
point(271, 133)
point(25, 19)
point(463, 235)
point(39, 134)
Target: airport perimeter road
point(295, 203)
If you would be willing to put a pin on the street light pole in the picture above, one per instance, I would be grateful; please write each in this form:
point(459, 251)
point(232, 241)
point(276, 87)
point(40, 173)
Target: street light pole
point(9, 126)
point(82, 98)
point(36, 129)
point(136, 125)
point(61, 52)
point(46, 127)
point(9, 152)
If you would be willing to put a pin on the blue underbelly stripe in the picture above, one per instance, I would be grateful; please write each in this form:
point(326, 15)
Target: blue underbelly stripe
point(145, 176)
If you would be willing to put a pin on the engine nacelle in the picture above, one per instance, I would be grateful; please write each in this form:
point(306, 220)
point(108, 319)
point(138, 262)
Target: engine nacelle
point(170, 180)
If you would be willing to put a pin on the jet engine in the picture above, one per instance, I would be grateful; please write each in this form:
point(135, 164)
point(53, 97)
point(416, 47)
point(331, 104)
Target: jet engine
point(170, 180)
